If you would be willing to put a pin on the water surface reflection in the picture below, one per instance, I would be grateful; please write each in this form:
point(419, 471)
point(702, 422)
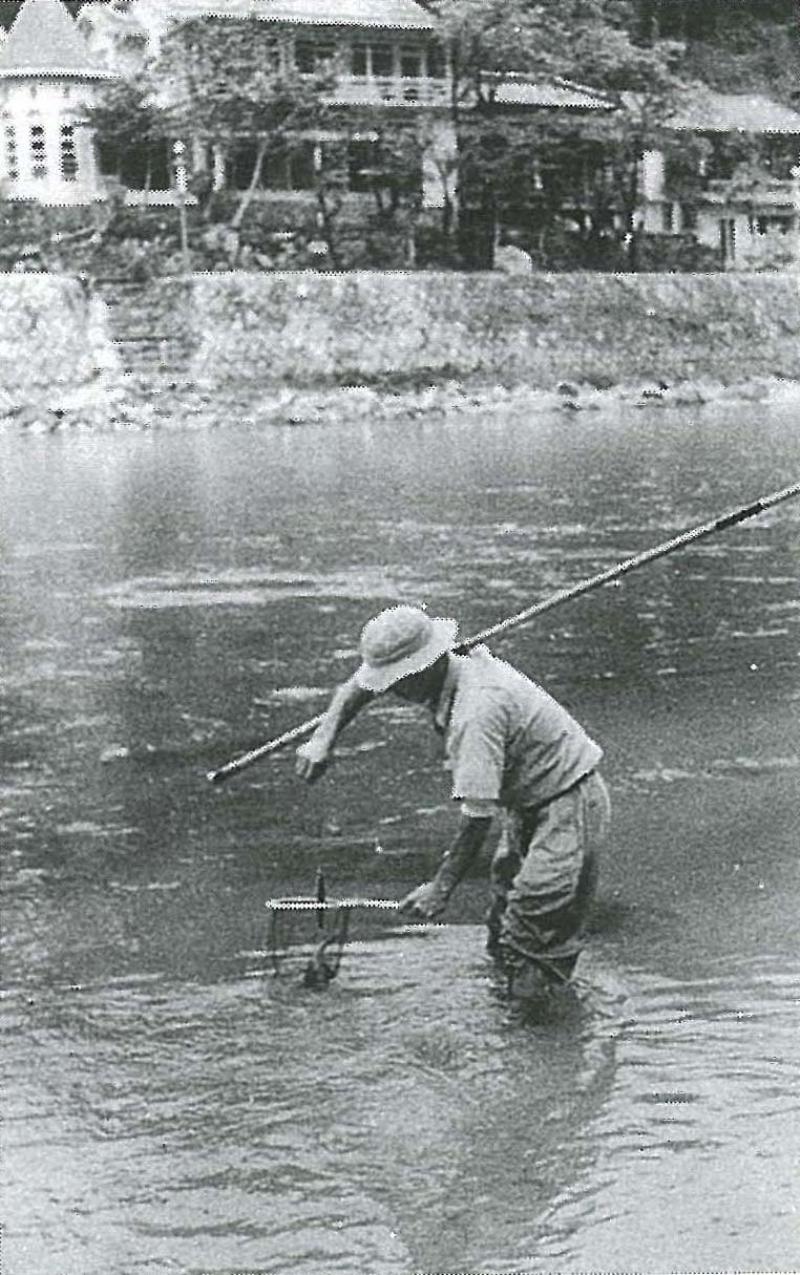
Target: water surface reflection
point(170, 600)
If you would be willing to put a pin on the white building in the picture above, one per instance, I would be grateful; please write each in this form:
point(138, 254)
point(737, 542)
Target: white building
point(48, 75)
point(752, 220)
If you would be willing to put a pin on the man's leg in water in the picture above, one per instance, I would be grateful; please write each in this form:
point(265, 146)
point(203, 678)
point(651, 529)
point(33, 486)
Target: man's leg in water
point(541, 930)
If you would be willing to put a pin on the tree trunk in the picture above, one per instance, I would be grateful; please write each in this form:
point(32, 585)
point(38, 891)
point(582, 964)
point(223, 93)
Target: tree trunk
point(630, 217)
point(328, 214)
point(451, 211)
point(248, 195)
point(448, 217)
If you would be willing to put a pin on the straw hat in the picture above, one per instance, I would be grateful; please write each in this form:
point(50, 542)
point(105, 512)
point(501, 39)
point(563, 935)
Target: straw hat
point(400, 642)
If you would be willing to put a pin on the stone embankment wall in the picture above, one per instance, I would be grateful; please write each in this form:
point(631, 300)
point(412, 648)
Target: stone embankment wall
point(53, 340)
point(540, 329)
point(247, 332)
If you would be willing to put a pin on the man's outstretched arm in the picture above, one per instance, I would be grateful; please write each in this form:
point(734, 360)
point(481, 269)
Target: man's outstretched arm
point(430, 899)
point(314, 755)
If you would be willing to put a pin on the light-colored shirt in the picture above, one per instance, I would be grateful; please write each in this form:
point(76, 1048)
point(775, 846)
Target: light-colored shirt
point(506, 740)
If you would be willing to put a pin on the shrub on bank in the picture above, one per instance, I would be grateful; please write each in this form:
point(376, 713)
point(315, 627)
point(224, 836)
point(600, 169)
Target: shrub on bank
point(55, 239)
point(113, 240)
point(671, 254)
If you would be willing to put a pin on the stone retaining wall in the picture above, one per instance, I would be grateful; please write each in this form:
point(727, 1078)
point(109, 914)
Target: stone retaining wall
point(54, 342)
point(248, 332)
point(540, 329)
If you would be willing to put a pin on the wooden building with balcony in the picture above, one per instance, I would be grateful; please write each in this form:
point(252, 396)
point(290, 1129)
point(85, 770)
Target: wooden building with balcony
point(386, 55)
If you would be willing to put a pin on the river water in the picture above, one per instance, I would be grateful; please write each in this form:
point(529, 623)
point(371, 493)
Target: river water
point(171, 599)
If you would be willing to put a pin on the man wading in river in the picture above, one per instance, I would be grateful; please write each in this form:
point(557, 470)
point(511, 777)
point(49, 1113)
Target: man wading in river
point(511, 749)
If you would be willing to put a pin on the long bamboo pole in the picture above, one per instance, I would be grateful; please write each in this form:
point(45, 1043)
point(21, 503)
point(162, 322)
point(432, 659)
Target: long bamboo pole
point(523, 617)
point(289, 904)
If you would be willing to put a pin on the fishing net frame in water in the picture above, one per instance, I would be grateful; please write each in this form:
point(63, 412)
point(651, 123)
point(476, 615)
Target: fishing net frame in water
point(332, 920)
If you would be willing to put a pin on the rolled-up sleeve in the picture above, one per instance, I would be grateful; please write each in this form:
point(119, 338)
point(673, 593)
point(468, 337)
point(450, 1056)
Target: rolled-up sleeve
point(479, 808)
point(476, 749)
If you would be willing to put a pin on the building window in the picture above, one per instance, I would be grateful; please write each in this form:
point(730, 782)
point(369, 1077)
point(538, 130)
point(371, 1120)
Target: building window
point(727, 239)
point(146, 166)
point(374, 60)
point(10, 160)
point(240, 166)
point(38, 152)
point(271, 53)
point(69, 155)
point(767, 225)
point(411, 64)
point(437, 66)
point(360, 61)
point(310, 55)
point(362, 163)
point(689, 215)
point(292, 170)
point(382, 60)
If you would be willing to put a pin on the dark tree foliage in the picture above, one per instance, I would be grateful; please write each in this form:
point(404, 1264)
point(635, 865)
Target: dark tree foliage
point(229, 87)
point(711, 19)
point(545, 169)
point(732, 45)
point(127, 122)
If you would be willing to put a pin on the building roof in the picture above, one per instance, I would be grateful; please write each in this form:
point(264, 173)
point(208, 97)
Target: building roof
point(116, 21)
point(404, 15)
point(43, 42)
point(518, 90)
point(705, 111)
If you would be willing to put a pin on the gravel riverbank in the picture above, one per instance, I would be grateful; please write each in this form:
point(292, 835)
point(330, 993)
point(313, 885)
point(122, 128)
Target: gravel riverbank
point(125, 403)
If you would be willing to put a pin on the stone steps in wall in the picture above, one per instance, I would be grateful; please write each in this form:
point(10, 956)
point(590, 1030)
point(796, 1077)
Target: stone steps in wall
point(146, 327)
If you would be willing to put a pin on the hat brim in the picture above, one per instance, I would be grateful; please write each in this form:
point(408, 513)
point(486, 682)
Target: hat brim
point(379, 678)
